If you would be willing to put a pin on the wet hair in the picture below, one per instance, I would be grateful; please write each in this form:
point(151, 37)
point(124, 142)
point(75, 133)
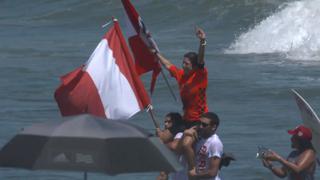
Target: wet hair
point(304, 144)
point(214, 119)
point(193, 58)
point(177, 122)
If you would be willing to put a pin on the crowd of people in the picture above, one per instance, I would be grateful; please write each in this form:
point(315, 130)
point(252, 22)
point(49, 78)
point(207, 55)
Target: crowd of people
point(193, 135)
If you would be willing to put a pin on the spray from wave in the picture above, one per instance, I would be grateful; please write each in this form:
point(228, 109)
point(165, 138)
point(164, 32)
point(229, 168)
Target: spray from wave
point(294, 30)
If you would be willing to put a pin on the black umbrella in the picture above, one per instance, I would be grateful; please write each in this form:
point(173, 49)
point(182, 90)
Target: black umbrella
point(88, 144)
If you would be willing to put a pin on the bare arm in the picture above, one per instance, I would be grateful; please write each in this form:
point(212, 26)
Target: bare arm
point(189, 138)
point(212, 171)
point(303, 163)
point(164, 61)
point(202, 37)
point(280, 172)
point(305, 160)
point(165, 135)
point(175, 146)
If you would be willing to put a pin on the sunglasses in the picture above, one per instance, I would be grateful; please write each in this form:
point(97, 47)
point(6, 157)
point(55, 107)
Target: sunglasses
point(204, 124)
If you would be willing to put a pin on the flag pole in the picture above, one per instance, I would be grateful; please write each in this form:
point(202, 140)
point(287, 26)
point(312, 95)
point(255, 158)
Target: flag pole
point(155, 47)
point(150, 110)
point(168, 85)
point(85, 175)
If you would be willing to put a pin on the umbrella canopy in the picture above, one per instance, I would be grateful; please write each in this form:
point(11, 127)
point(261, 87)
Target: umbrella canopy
point(90, 144)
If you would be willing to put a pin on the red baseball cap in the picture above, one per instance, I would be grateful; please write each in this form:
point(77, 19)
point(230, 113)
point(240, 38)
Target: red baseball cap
point(301, 131)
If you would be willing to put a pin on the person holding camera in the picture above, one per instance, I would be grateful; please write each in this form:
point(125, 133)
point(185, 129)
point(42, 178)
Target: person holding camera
point(301, 162)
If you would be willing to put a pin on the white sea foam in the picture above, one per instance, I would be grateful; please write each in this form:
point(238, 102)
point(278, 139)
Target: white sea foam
point(294, 30)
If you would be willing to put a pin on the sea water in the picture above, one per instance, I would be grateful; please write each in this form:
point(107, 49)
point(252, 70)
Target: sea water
point(256, 52)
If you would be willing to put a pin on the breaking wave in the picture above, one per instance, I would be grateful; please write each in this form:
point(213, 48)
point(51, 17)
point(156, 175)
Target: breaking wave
point(293, 30)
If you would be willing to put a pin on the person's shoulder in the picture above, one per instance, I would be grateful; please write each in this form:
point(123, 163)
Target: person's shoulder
point(214, 139)
point(175, 68)
point(172, 67)
point(309, 152)
point(215, 146)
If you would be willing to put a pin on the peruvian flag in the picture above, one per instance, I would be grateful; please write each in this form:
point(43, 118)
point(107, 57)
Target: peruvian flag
point(140, 42)
point(107, 85)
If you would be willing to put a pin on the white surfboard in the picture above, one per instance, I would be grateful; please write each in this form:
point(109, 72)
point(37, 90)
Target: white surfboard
point(310, 119)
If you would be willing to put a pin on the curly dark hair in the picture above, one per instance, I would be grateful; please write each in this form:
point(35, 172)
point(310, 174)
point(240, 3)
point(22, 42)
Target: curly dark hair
point(177, 122)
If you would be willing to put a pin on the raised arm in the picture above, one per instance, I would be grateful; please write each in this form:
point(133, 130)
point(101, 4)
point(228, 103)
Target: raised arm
point(202, 37)
point(163, 60)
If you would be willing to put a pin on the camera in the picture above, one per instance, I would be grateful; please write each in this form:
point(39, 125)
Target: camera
point(262, 152)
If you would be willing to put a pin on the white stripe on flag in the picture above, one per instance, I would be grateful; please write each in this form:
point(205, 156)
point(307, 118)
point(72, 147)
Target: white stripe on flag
point(116, 94)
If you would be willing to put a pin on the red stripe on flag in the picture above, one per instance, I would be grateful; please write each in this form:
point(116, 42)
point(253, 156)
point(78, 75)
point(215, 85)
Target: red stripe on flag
point(78, 94)
point(145, 60)
point(132, 14)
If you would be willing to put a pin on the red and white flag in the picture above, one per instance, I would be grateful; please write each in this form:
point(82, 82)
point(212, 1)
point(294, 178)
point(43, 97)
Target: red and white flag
point(140, 42)
point(107, 85)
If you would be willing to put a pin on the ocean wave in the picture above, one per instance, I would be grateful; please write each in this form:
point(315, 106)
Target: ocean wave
point(293, 30)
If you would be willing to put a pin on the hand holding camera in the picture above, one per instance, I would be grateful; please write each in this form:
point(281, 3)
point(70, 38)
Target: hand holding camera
point(263, 152)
